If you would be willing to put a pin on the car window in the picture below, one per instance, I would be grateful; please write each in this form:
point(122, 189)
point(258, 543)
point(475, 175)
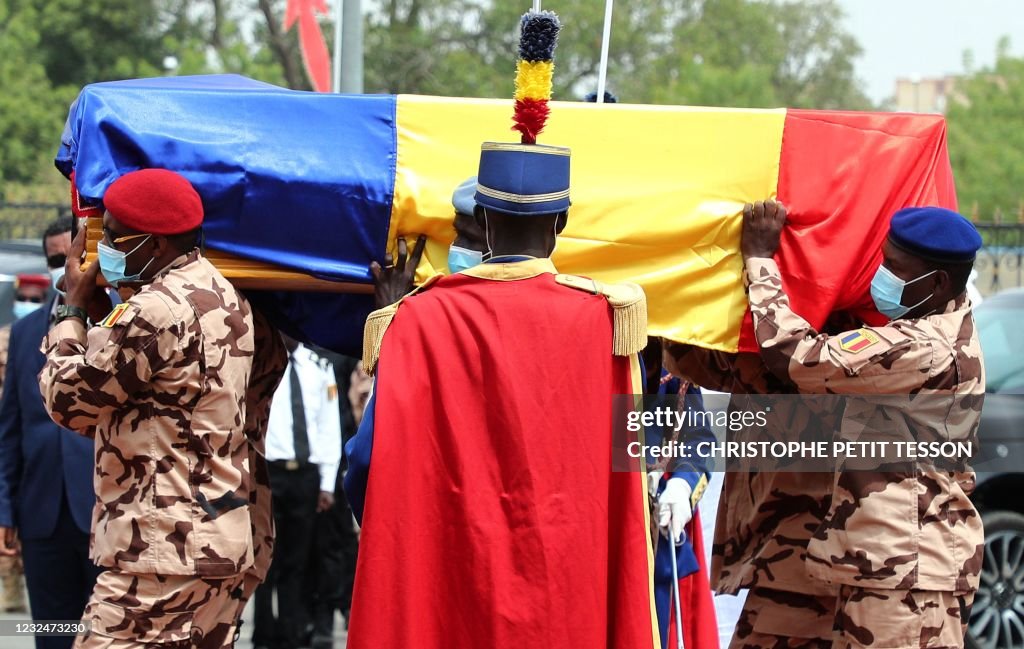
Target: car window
point(1002, 345)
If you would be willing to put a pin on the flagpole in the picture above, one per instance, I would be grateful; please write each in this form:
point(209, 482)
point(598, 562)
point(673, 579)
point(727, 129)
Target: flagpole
point(602, 75)
point(340, 4)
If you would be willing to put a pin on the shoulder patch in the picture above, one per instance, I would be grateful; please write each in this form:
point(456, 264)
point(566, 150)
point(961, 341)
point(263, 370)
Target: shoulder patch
point(116, 315)
point(857, 341)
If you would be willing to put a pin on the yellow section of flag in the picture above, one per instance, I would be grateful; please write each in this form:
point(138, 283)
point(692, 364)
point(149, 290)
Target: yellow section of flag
point(656, 192)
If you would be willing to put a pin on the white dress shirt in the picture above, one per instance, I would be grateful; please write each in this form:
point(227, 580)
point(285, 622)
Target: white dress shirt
point(323, 420)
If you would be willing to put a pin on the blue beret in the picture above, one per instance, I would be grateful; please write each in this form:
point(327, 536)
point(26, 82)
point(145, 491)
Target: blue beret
point(462, 197)
point(935, 234)
point(523, 179)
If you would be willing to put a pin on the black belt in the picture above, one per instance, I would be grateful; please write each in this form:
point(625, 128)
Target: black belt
point(290, 465)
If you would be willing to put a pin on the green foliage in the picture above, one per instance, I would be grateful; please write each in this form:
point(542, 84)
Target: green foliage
point(986, 138)
point(757, 53)
point(30, 110)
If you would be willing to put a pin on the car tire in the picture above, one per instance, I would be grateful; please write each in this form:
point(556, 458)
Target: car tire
point(997, 617)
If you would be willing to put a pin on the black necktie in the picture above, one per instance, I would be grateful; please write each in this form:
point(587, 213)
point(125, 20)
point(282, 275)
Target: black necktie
point(298, 414)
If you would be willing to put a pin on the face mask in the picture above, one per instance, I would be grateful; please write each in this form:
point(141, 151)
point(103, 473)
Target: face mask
point(887, 291)
point(55, 275)
point(459, 258)
point(22, 309)
point(113, 263)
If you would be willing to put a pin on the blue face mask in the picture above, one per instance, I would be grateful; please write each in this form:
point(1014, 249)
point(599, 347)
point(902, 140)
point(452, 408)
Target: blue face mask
point(113, 263)
point(55, 276)
point(22, 309)
point(459, 258)
point(887, 291)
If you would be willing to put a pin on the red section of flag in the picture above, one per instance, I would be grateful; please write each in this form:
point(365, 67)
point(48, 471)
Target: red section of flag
point(856, 347)
point(700, 624)
point(492, 517)
point(842, 176)
point(315, 57)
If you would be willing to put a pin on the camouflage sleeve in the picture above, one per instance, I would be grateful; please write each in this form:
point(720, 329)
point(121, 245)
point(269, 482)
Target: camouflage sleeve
point(89, 372)
point(707, 368)
point(870, 360)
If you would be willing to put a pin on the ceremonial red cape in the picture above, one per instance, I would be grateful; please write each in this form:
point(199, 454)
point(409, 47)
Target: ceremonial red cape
point(492, 517)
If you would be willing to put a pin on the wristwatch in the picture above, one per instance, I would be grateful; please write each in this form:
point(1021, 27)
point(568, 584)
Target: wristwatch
point(65, 311)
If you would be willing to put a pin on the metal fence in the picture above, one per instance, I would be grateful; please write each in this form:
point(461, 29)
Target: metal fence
point(1000, 263)
point(28, 220)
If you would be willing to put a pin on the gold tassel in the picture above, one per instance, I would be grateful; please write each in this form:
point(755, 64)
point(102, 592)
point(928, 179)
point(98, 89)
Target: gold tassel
point(629, 311)
point(629, 306)
point(377, 324)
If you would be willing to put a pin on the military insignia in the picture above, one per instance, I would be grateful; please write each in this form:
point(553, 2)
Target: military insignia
point(858, 341)
point(115, 315)
point(332, 392)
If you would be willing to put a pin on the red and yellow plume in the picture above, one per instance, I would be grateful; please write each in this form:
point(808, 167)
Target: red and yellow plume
point(534, 69)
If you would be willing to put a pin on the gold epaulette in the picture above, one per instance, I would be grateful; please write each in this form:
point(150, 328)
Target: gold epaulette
point(629, 308)
point(377, 324)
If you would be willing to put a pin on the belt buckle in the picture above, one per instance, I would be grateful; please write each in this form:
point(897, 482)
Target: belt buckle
point(291, 465)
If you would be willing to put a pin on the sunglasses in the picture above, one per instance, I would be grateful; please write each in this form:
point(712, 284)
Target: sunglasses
point(56, 261)
point(35, 299)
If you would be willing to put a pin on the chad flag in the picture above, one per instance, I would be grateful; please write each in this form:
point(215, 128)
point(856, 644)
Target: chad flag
point(321, 185)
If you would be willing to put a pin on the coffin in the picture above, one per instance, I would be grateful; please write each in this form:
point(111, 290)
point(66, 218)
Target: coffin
point(303, 190)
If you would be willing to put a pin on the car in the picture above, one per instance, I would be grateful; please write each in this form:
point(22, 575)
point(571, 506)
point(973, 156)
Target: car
point(17, 256)
point(997, 618)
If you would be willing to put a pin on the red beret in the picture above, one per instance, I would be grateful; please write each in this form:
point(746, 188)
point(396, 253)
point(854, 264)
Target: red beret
point(26, 279)
point(154, 201)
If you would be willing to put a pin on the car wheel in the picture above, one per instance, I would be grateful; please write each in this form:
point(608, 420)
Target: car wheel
point(997, 618)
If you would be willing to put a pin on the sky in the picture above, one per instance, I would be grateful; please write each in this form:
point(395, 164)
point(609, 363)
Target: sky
point(927, 38)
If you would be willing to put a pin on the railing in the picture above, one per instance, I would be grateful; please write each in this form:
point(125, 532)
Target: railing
point(999, 265)
point(28, 220)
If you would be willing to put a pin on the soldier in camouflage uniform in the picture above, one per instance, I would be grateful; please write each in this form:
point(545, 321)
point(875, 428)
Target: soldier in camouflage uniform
point(765, 519)
point(903, 547)
point(161, 384)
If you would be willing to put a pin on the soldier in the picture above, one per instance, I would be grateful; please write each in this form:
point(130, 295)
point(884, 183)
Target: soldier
point(765, 519)
point(904, 547)
point(161, 384)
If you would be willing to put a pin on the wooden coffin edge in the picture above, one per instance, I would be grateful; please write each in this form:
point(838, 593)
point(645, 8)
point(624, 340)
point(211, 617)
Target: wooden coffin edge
point(243, 273)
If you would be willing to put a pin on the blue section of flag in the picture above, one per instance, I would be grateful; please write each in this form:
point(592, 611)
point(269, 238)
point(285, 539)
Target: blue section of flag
point(846, 340)
point(299, 179)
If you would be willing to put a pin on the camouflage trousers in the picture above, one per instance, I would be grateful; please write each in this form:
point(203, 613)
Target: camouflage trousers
point(163, 611)
point(858, 617)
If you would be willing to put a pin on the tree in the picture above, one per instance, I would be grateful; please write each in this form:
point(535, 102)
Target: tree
point(986, 137)
point(30, 110)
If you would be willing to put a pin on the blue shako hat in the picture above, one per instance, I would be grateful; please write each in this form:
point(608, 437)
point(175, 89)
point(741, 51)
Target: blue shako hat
point(523, 179)
point(527, 178)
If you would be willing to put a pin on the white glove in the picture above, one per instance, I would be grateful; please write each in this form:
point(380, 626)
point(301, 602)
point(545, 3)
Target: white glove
point(674, 508)
point(653, 482)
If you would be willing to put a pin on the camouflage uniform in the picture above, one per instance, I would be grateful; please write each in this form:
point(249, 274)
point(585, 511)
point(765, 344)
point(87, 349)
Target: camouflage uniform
point(765, 520)
point(905, 547)
point(161, 385)
point(268, 367)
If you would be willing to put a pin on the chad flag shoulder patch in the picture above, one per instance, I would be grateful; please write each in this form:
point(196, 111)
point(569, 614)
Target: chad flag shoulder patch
point(858, 341)
point(116, 314)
